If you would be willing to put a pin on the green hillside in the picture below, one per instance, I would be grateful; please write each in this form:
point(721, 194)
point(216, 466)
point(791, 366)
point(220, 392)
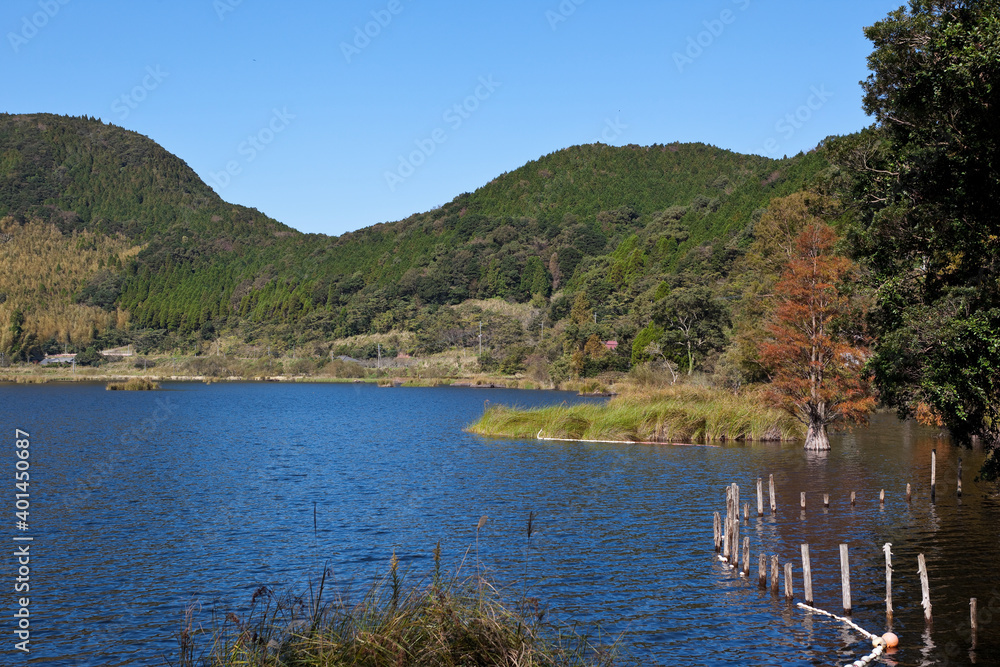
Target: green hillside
point(82, 174)
point(608, 229)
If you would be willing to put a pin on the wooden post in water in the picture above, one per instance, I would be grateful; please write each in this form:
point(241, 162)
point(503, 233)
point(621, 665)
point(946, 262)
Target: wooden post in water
point(770, 482)
point(887, 548)
point(909, 493)
point(789, 592)
point(727, 538)
point(736, 539)
point(717, 529)
point(802, 500)
point(881, 498)
point(760, 497)
point(726, 534)
point(734, 543)
point(736, 521)
point(762, 571)
point(746, 512)
point(974, 615)
point(726, 543)
point(774, 574)
point(933, 473)
point(826, 500)
point(807, 581)
point(925, 587)
point(845, 578)
point(853, 498)
point(959, 476)
point(746, 556)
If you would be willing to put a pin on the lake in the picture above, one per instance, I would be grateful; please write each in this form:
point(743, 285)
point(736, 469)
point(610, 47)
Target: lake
point(146, 504)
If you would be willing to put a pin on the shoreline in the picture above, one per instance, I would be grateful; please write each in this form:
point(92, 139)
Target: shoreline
point(418, 372)
point(385, 382)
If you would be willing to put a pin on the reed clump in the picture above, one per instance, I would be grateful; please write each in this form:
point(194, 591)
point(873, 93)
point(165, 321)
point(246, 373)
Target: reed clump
point(133, 384)
point(684, 414)
point(449, 622)
point(590, 388)
point(30, 379)
point(425, 382)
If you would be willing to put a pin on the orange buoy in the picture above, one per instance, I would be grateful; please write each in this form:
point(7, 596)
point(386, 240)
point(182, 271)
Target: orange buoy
point(890, 639)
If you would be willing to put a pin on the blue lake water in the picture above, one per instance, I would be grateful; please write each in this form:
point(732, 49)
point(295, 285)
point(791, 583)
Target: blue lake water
point(147, 504)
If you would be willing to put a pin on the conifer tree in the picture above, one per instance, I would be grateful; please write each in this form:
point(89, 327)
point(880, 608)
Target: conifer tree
point(816, 369)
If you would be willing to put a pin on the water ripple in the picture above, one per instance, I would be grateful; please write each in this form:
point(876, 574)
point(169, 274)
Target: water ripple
point(137, 525)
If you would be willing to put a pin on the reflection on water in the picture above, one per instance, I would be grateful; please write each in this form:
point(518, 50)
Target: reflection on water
point(139, 518)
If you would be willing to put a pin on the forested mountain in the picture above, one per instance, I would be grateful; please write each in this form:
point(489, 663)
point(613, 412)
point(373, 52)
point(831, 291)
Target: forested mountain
point(588, 233)
point(84, 175)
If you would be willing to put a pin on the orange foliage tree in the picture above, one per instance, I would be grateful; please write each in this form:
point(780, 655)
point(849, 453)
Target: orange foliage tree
point(812, 352)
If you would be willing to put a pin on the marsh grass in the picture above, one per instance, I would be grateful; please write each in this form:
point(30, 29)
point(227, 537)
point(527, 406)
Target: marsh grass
point(28, 379)
point(426, 382)
point(447, 622)
point(133, 384)
point(678, 414)
point(592, 387)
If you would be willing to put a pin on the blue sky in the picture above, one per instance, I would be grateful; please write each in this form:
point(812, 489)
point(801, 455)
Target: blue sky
point(332, 116)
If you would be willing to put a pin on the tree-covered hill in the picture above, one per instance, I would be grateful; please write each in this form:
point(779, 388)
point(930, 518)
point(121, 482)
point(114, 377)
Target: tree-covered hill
point(82, 174)
point(608, 230)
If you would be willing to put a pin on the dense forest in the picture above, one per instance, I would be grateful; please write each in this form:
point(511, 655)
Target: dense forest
point(691, 258)
point(601, 243)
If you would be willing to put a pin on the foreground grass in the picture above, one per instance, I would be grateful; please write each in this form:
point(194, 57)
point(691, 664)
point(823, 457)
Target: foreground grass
point(446, 623)
point(677, 414)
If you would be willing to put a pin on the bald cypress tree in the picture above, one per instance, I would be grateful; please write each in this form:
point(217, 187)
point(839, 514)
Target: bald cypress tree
point(814, 363)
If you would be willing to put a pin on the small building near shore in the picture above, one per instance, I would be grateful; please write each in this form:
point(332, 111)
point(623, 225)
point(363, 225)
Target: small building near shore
point(57, 359)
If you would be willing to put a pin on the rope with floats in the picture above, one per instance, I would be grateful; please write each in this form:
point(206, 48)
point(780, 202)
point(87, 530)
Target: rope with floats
point(880, 643)
point(538, 436)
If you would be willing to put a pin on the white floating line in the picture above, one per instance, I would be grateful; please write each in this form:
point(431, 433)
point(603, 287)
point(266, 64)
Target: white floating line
point(623, 442)
point(879, 646)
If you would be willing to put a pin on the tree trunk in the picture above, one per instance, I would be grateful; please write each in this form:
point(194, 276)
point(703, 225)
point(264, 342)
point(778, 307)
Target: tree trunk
point(816, 437)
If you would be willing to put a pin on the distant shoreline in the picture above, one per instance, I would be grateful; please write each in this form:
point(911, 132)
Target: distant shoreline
point(89, 376)
point(419, 372)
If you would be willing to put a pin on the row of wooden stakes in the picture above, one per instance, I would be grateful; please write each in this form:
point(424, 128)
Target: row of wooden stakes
point(727, 542)
point(826, 496)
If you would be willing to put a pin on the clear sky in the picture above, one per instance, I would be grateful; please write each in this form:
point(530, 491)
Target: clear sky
point(335, 115)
